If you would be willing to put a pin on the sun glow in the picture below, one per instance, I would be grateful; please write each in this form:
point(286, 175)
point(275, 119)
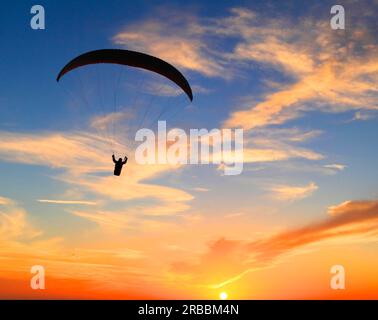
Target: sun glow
point(223, 295)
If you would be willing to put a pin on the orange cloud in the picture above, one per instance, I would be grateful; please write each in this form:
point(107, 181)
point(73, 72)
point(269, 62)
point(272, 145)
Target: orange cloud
point(227, 261)
point(173, 42)
point(326, 75)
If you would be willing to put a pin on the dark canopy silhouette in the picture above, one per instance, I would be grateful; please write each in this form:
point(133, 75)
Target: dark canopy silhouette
point(132, 59)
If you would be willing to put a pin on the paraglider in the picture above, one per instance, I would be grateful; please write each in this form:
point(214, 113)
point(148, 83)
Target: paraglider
point(130, 59)
point(118, 165)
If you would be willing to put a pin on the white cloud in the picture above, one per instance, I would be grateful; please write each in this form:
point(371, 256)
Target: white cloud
point(200, 189)
point(68, 202)
point(362, 116)
point(5, 201)
point(335, 166)
point(14, 223)
point(292, 193)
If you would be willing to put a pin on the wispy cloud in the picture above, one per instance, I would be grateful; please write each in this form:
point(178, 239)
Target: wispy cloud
point(5, 201)
point(14, 223)
point(174, 40)
point(68, 202)
point(170, 90)
point(291, 193)
point(362, 116)
point(335, 166)
point(102, 123)
point(268, 145)
point(200, 189)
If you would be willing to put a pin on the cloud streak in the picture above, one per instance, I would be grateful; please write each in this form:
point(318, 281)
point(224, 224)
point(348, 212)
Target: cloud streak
point(234, 259)
point(68, 202)
point(292, 193)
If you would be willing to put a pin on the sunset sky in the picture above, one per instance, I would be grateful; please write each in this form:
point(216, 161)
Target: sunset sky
point(305, 96)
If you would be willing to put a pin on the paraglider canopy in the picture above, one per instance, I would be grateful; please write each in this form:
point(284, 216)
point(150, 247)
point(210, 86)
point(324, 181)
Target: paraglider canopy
point(132, 59)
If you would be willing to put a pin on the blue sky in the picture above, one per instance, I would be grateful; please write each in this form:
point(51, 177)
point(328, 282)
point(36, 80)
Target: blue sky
point(73, 28)
point(33, 59)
